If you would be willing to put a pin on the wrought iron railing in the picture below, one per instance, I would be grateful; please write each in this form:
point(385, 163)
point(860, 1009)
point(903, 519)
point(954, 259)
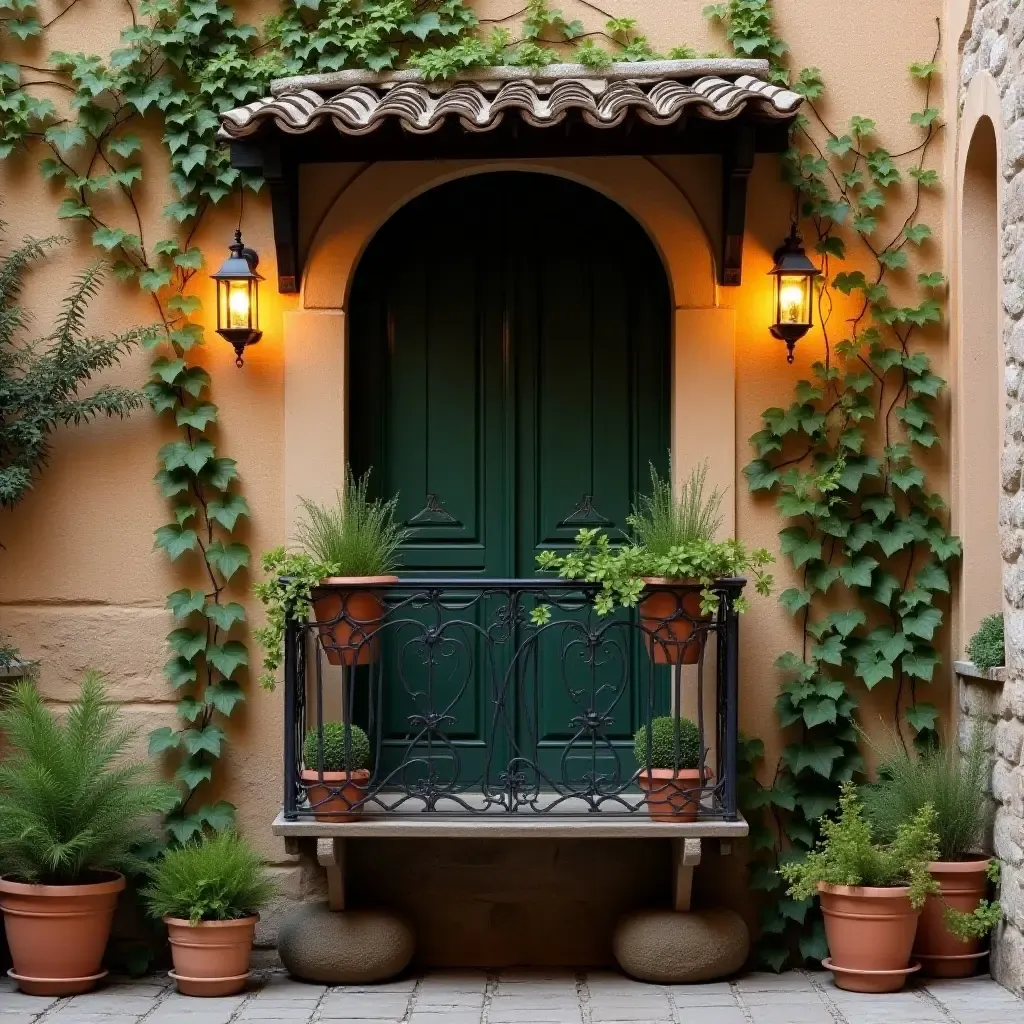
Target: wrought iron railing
point(471, 707)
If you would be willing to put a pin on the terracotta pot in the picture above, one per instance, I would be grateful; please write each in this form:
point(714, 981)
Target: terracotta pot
point(669, 618)
point(870, 933)
point(58, 933)
point(942, 954)
point(350, 640)
point(665, 792)
point(211, 958)
point(350, 788)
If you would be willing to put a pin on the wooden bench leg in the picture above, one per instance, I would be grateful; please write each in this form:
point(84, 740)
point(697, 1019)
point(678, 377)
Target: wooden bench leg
point(685, 857)
point(331, 855)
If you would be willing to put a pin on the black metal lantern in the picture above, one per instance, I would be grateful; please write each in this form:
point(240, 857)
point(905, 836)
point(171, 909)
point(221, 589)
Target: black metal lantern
point(794, 277)
point(238, 298)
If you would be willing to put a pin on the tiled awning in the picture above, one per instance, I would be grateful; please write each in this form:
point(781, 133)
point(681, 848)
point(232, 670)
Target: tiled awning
point(720, 106)
point(659, 93)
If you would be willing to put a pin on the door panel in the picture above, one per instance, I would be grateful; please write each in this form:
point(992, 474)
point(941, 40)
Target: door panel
point(511, 391)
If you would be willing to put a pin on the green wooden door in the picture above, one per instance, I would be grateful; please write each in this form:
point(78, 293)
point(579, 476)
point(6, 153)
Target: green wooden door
point(509, 377)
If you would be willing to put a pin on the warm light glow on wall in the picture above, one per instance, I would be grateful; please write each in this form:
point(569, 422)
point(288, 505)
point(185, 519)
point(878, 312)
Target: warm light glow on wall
point(794, 276)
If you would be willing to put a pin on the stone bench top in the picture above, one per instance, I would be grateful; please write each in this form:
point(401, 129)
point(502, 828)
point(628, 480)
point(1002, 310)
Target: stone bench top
point(378, 824)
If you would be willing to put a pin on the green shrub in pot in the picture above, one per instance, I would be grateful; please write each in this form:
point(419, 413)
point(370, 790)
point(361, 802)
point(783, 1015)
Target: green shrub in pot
point(659, 751)
point(335, 756)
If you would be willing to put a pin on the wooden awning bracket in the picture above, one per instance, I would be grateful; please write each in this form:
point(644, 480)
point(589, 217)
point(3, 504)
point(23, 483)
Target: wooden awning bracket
point(737, 163)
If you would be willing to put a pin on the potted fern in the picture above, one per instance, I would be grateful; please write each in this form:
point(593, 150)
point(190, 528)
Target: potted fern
point(668, 567)
point(72, 813)
point(958, 916)
point(337, 762)
point(352, 543)
point(669, 760)
point(208, 893)
point(871, 893)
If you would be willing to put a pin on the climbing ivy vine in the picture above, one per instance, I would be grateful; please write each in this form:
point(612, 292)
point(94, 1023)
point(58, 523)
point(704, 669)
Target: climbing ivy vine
point(866, 533)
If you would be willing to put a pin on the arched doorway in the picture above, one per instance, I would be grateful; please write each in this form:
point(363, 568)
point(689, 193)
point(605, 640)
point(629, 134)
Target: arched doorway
point(509, 377)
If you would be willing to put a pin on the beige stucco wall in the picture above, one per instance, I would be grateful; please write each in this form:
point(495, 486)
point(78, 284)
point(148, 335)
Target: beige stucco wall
point(79, 582)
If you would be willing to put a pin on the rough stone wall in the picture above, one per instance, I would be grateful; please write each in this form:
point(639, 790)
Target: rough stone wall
point(995, 43)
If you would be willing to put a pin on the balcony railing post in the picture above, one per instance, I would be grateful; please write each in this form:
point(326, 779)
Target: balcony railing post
point(732, 693)
point(292, 639)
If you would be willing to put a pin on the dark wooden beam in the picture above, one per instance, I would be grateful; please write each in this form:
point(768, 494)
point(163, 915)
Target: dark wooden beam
point(282, 177)
point(737, 163)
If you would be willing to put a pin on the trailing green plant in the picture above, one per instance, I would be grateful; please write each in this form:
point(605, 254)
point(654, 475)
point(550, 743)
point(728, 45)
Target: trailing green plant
point(356, 536)
point(70, 804)
point(343, 750)
point(954, 786)
point(42, 378)
point(667, 748)
point(987, 648)
point(216, 877)
point(848, 854)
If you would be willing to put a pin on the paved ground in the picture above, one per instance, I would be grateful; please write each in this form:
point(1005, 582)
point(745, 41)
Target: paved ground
point(518, 997)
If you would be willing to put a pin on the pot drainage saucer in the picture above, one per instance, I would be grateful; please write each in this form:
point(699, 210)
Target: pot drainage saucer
point(957, 965)
point(853, 980)
point(55, 986)
point(210, 986)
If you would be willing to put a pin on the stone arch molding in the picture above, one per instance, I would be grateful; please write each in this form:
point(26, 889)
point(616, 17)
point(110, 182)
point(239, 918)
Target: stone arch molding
point(652, 199)
point(315, 336)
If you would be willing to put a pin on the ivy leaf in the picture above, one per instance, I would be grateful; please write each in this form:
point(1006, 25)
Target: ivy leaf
point(72, 208)
point(164, 738)
point(921, 662)
point(830, 651)
point(209, 740)
point(227, 559)
point(926, 384)
point(171, 484)
point(921, 716)
point(189, 708)
point(175, 540)
point(883, 588)
point(791, 665)
point(226, 510)
point(894, 539)
point(793, 600)
point(224, 616)
point(167, 369)
point(861, 534)
point(839, 146)
point(224, 695)
point(154, 279)
point(199, 416)
point(894, 259)
point(191, 259)
point(218, 816)
point(796, 543)
point(183, 828)
point(184, 603)
point(880, 505)
point(832, 245)
point(184, 304)
point(908, 477)
point(187, 643)
point(125, 145)
point(813, 944)
point(858, 572)
point(821, 576)
point(816, 757)
point(66, 136)
point(856, 468)
point(923, 623)
point(219, 473)
point(933, 577)
point(844, 623)
point(182, 455)
point(936, 279)
point(917, 233)
point(795, 910)
point(193, 380)
point(225, 658)
point(194, 773)
point(761, 475)
point(179, 672)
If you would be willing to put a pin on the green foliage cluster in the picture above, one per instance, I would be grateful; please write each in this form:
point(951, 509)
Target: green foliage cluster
point(216, 877)
point(954, 787)
point(41, 378)
point(345, 748)
point(848, 854)
point(674, 743)
point(356, 536)
point(70, 804)
point(661, 522)
point(987, 648)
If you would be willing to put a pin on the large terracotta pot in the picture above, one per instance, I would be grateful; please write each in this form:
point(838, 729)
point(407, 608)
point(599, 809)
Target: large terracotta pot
point(58, 933)
point(350, 640)
point(942, 954)
point(665, 792)
point(211, 958)
point(870, 933)
point(350, 788)
point(669, 617)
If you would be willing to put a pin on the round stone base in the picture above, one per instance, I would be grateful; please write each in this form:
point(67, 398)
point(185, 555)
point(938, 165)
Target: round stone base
point(347, 947)
point(673, 948)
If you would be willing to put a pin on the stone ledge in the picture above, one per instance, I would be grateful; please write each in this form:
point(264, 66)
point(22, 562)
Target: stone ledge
point(16, 669)
point(969, 670)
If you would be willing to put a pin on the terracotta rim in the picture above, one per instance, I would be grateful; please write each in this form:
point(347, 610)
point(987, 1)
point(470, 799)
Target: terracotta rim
point(115, 883)
point(894, 892)
point(829, 966)
point(54, 981)
point(209, 981)
point(972, 866)
point(184, 922)
point(683, 774)
point(350, 581)
point(313, 775)
point(953, 957)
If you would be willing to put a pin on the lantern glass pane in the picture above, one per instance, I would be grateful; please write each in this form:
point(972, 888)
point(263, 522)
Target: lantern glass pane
point(222, 305)
point(794, 299)
point(238, 305)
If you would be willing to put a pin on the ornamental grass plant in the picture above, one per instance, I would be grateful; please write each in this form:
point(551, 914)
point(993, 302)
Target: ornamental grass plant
point(70, 804)
point(661, 522)
point(217, 878)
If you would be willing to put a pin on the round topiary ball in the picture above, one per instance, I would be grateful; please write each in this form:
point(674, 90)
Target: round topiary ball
point(660, 751)
point(335, 759)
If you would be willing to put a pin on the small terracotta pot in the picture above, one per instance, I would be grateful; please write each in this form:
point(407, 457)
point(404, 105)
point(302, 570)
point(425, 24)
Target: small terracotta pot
point(350, 640)
point(669, 618)
point(211, 958)
point(58, 933)
point(870, 933)
point(665, 792)
point(942, 955)
point(339, 806)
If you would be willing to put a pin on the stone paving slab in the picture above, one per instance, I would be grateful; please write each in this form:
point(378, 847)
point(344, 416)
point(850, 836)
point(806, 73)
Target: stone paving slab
point(525, 997)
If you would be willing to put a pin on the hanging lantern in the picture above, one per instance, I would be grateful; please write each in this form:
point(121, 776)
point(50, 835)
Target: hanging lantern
point(238, 298)
point(794, 277)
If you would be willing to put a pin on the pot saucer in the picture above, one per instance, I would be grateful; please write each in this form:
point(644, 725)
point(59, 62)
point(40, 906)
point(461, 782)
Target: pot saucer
point(853, 980)
point(55, 986)
point(958, 965)
point(210, 986)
